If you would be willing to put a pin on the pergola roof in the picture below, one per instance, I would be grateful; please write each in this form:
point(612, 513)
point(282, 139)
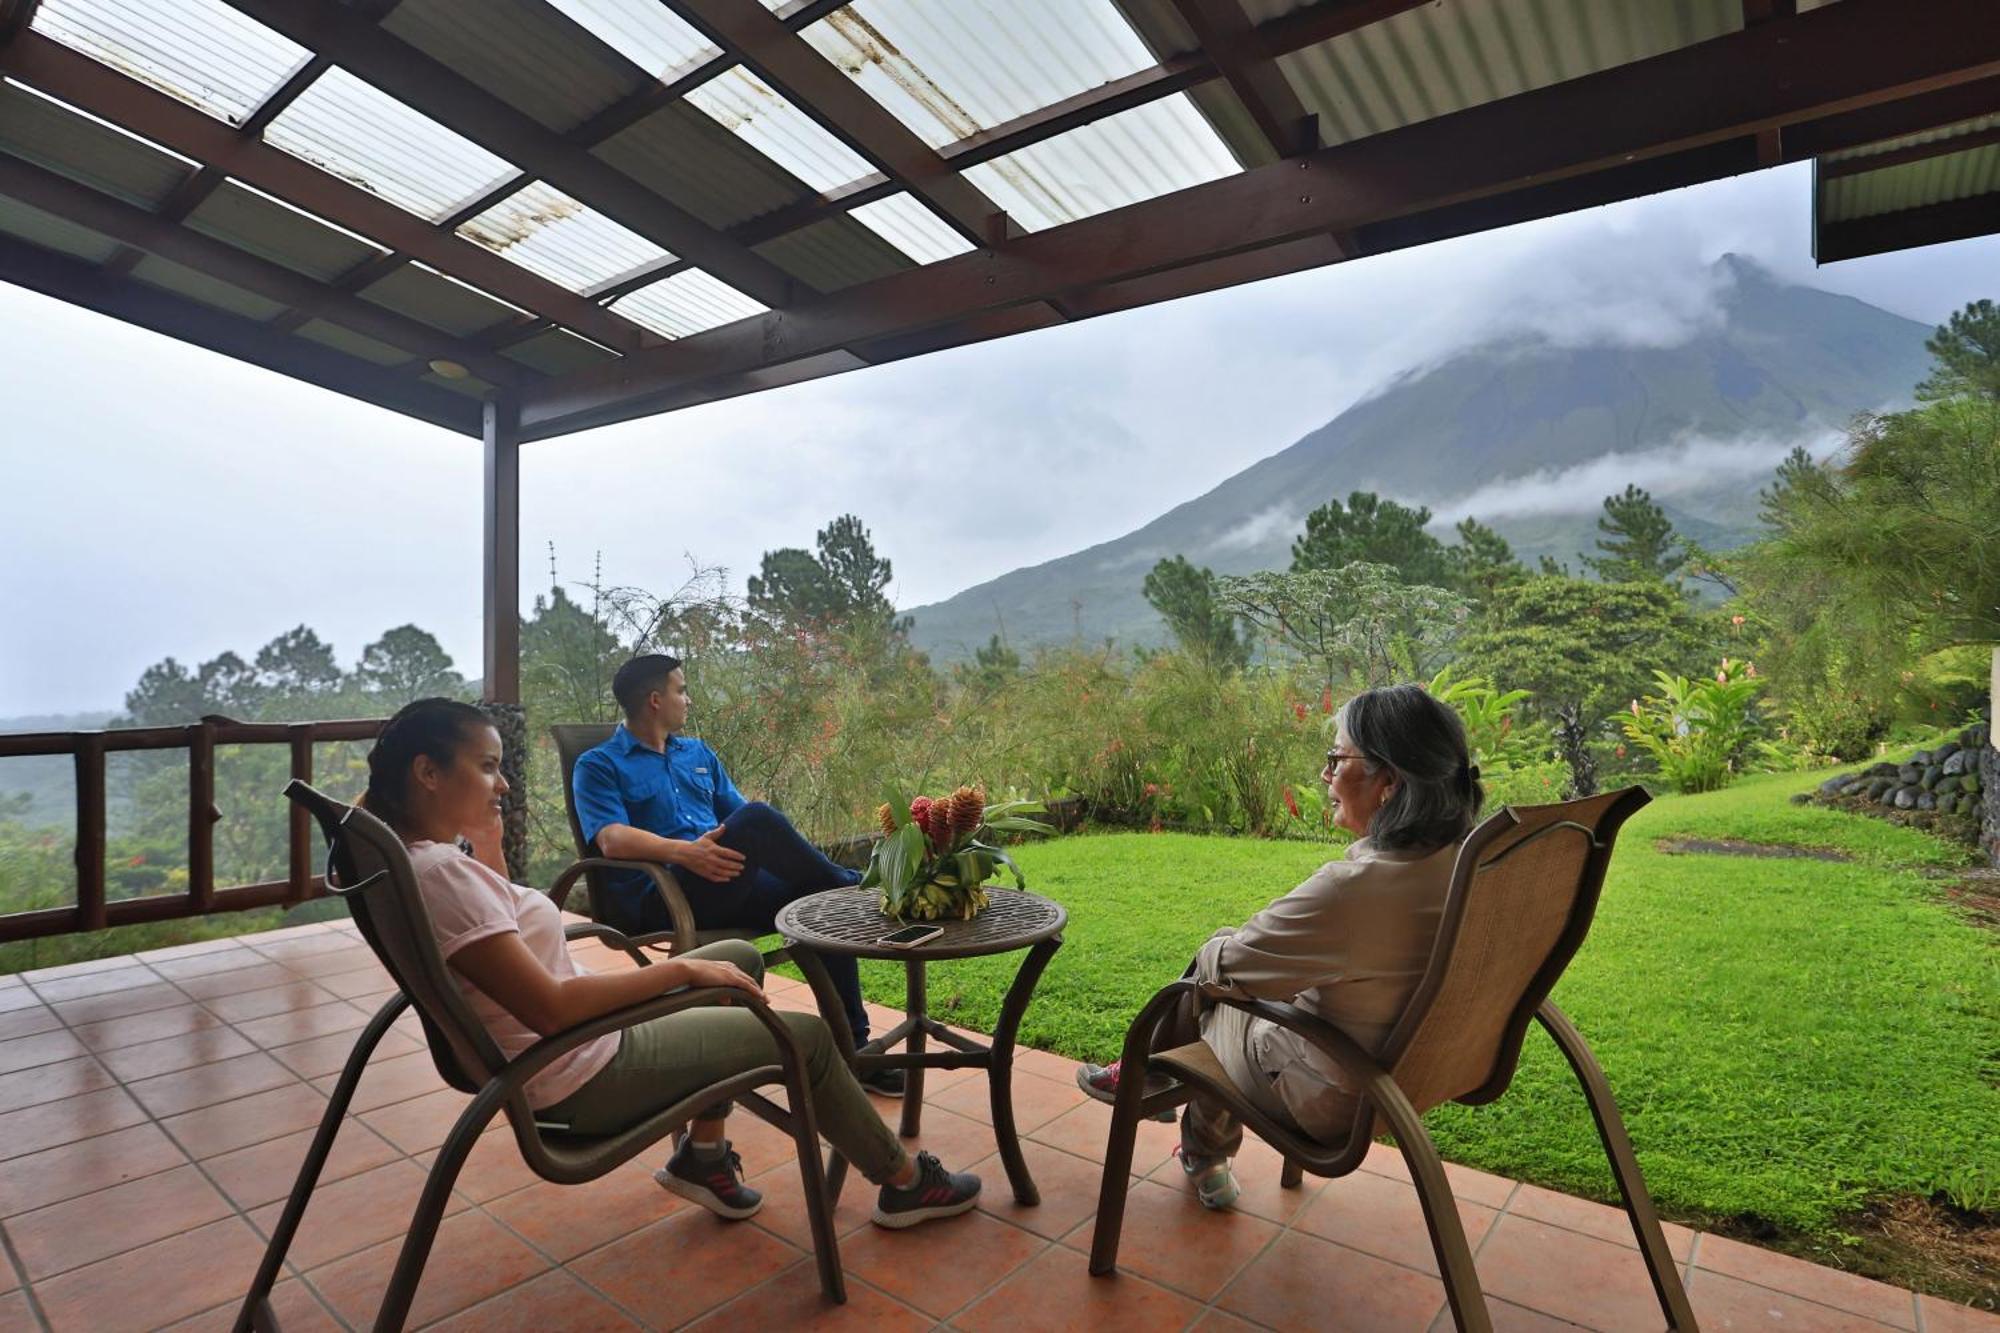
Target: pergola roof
point(599, 209)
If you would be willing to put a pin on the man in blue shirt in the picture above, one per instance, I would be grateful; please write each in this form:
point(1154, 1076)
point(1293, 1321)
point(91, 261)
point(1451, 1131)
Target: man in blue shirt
point(651, 794)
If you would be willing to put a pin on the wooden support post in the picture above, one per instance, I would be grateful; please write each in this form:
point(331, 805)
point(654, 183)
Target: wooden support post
point(90, 831)
point(300, 845)
point(502, 513)
point(202, 815)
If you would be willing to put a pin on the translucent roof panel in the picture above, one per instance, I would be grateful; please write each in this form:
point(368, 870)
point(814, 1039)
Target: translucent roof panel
point(547, 232)
point(368, 138)
point(203, 52)
point(905, 223)
point(744, 105)
point(686, 303)
point(1150, 150)
point(950, 70)
point(645, 32)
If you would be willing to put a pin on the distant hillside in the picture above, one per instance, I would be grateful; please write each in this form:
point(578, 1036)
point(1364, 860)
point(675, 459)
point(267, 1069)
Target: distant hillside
point(1710, 416)
point(42, 790)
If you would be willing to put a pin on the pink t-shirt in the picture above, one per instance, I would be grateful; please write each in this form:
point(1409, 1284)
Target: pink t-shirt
point(469, 901)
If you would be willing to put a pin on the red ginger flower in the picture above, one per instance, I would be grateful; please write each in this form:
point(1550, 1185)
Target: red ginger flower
point(1292, 805)
point(886, 818)
point(968, 812)
point(920, 810)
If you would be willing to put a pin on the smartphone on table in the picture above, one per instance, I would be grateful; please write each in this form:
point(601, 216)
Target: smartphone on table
point(909, 937)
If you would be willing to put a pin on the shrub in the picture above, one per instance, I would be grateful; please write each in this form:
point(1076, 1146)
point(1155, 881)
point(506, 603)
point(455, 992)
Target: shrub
point(1698, 731)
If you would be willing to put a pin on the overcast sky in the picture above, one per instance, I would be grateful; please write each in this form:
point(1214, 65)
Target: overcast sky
point(162, 500)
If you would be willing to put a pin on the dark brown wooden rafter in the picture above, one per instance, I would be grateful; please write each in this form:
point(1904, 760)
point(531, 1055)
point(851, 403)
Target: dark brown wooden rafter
point(86, 285)
point(435, 90)
point(1931, 224)
point(15, 16)
point(62, 197)
point(1918, 152)
point(1231, 41)
point(1829, 62)
point(782, 58)
point(70, 77)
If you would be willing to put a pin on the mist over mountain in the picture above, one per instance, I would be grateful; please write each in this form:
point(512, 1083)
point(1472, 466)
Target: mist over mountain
point(1527, 435)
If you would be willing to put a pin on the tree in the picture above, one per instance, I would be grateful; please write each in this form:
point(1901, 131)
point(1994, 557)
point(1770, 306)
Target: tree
point(1584, 649)
point(407, 663)
point(991, 666)
point(1638, 541)
point(298, 664)
point(1966, 353)
point(1375, 531)
point(1185, 596)
point(1482, 560)
point(568, 656)
point(841, 586)
point(1358, 623)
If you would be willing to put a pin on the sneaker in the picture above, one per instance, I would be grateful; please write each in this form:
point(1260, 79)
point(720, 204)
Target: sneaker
point(935, 1192)
point(885, 1082)
point(1214, 1182)
point(713, 1180)
point(1101, 1082)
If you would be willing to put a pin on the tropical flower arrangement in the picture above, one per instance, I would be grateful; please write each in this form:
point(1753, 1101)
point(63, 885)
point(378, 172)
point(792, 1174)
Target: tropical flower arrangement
point(937, 852)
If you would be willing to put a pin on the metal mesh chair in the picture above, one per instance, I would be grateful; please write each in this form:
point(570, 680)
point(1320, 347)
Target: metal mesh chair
point(593, 867)
point(1522, 894)
point(369, 867)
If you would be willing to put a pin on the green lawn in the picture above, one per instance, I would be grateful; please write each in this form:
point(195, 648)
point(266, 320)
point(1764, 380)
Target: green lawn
point(1787, 1038)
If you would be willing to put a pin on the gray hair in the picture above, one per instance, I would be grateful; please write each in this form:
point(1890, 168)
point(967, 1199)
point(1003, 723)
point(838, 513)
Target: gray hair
point(1421, 741)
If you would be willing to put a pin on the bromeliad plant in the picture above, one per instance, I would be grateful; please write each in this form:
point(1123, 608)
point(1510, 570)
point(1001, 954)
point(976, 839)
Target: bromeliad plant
point(937, 852)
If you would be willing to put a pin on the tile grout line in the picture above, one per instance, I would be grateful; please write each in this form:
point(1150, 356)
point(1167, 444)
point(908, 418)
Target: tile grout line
point(21, 1272)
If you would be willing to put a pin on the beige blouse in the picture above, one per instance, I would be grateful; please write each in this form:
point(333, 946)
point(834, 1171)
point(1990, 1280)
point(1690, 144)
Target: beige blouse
point(1349, 945)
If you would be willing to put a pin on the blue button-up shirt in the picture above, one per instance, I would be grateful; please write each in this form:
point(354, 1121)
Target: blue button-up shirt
point(681, 792)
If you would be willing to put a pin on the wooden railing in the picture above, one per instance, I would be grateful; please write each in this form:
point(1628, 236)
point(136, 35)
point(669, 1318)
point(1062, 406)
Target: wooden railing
point(88, 749)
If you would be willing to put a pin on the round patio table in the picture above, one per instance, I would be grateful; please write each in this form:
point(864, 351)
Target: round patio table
point(848, 921)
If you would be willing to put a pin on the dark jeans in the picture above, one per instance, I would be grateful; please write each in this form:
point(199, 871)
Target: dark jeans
point(779, 866)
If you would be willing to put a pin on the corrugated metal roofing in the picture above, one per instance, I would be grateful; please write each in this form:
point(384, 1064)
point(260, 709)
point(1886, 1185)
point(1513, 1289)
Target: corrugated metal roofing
point(836, 253)
point(1138, 154)
point(84, 148)
point(759, 115)
point(557, 352)
point(1930, 180)
point(200, 287)
point(441, 302)
point(1977, 125)
point(645, 32)
point(1445, 57)
point(343, 339)
point(527, 54)
point(950, 70)
point(31, 224)
point(684, 156)
point(906, 223)
point(547, 232)
point(688, 302)
point(368, 138)
point(264, 226)
point(203, 52)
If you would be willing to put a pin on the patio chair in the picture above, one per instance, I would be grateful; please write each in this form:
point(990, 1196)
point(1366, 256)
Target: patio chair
point(368, 866)
point(1521, 898)
point(572, 739)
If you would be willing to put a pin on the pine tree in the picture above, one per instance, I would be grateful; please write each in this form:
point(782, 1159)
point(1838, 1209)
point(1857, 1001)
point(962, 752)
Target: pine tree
point(1638, 541)
point(1185, 596)
point(1374, 531)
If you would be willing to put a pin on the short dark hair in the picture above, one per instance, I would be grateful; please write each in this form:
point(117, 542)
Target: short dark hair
point(434, 728)
point(1438, 794)
point(640, 677)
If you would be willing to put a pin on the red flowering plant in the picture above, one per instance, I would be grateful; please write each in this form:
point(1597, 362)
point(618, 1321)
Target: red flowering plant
point(937, 852)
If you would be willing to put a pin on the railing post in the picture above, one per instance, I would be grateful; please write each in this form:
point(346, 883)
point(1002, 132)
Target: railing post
point(202, 815)
point(300, 822)
point(90, 831)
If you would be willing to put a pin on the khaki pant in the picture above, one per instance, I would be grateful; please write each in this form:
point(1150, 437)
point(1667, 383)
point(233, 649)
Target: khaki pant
point(1207, 1127)
point(661, 1061)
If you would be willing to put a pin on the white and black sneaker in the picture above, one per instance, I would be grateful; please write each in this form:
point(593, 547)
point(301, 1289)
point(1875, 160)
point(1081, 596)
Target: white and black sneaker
point(713, 1179)
point(935, 1193)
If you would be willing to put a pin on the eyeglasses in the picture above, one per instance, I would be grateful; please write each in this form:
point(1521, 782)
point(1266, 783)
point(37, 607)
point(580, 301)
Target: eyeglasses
point(1333, 758)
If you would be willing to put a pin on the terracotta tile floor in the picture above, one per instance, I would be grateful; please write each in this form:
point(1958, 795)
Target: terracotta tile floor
point(153, 1110)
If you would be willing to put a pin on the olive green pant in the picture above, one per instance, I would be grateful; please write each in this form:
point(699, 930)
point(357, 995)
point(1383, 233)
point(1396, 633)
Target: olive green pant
point(663, 1060)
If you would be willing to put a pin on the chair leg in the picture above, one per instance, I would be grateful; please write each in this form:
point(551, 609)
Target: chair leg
point(416, 1251)
point(1639, 1208)
point(256, 1312)
point(1454, 1255)
point(820, 1199)
point(1290, 1177)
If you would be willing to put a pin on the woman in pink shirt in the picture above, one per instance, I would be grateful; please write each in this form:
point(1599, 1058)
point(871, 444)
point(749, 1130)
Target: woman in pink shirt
point(435, 774)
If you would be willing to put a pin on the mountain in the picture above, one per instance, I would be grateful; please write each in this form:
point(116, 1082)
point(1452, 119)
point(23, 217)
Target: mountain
point(1527, 436)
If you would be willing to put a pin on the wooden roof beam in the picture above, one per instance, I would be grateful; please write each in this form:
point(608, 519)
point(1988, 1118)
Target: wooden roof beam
point(1907, 228)
point(423, 84)
point(1831, 61)
point(1225, 32)
point(816, 86)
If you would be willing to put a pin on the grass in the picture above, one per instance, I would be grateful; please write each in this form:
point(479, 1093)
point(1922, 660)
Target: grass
point(1788, 1039)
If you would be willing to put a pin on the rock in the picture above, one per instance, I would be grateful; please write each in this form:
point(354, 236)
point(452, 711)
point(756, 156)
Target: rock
point(1970, 782)
point(1887, 796)
point(1802, 798)
point(1881, 770)
point(1960, 761)
point(1945, 751)
point(1931, 776)
point(1921, 758)
point(1946, 786)
point(1906, 798)
point(1876, 786)
point(1927, 800)
point(1909, 774)
point(1838, 784)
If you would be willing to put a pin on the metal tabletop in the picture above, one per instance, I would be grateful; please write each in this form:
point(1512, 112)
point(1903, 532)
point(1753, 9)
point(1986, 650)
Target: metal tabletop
point(850, 921)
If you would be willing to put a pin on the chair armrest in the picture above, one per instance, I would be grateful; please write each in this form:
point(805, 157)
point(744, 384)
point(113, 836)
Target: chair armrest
point(678, 911)
point(537, 1057)
point(617, 939)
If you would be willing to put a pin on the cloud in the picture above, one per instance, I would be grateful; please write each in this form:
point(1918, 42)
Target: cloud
point(1688, 464)
point(1259, 528)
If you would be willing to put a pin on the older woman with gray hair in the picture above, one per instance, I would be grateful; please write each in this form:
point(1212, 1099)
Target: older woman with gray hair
point(1349, 945)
